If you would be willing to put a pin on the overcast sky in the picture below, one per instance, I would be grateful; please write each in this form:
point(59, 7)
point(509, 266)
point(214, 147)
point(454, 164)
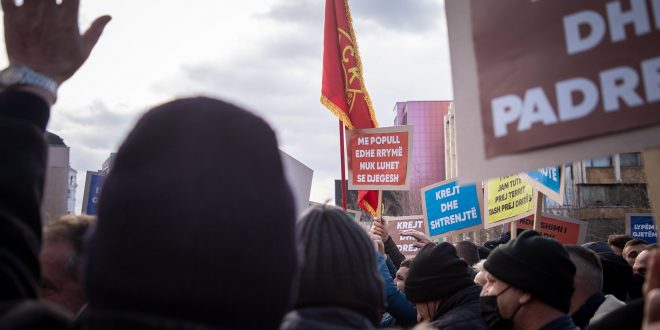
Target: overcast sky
point(264, 55)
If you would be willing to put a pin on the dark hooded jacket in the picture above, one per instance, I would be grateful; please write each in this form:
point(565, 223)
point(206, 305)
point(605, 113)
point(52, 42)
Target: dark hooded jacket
point(461, 311)
point(23, 153)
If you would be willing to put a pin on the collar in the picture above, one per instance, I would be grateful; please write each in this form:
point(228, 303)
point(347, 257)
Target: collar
point(561, 323)
point(582, 316)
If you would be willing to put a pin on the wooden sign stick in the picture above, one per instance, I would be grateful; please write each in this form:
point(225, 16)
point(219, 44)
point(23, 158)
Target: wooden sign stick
point(539, 208)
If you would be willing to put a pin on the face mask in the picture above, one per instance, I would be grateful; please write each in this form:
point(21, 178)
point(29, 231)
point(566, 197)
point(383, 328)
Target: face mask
point(491, 313)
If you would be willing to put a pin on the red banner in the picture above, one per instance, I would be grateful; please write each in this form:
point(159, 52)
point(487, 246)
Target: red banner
point(342, 90)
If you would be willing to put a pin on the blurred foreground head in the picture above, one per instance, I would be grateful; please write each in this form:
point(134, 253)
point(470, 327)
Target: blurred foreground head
point(196, 223)
point(339, 269)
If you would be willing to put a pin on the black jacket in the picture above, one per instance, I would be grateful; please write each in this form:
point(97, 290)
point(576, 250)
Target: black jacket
point(461, 311)
point(23, 119)
point(324, 318)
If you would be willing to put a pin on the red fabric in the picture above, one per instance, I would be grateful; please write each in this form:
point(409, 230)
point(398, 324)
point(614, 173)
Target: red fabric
point(342, 89)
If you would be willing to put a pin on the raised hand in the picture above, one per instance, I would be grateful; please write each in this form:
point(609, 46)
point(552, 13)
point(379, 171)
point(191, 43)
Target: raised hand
point(421, 238)
point(379, 228)
point(44, 36)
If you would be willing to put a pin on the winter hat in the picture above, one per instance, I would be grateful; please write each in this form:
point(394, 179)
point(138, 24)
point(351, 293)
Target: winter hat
point(196, 221)
point(535, 264)
point(617, 275)
point(598, 247)
point(339, 267)
point(436, 273)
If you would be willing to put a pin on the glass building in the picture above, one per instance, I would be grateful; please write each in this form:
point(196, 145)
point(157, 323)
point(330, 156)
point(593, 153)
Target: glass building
point(428, 164)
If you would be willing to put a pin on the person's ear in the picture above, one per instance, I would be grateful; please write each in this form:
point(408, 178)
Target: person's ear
point(524, 298)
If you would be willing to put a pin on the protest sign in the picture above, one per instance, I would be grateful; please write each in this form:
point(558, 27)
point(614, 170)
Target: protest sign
point(538, 93)
point(567, 231)
point(549, 181)
point(379, 158)
point(299, 177)
point(641, 226)
point(395, 225)
point(507, 198)
point(450, 208)
point(93, 184)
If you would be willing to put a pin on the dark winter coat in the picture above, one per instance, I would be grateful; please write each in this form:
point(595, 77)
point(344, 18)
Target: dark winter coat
point(461, 311)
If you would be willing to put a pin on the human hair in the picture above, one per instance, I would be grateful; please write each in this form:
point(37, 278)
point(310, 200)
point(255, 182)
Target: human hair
point(468, 251)
point(69, 229)
point(406, 263)
point(651, 247)
point(635, 242)
point(619, 240)
point(589, 270)
point(479, 266)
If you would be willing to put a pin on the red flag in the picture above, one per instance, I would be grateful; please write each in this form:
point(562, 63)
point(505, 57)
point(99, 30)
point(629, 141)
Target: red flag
point(343, 91)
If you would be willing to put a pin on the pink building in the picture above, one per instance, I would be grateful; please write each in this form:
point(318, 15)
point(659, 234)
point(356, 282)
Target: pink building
point(428, 165)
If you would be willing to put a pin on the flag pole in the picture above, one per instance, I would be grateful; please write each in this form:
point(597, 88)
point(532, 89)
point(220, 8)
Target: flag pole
point(344, 192)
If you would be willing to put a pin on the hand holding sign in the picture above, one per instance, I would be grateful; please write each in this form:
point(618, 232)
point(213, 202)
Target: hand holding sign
point(379, 228)
point(421, 238)
point(378, 244)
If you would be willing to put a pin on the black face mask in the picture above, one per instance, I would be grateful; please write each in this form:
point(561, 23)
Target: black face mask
point(491, 313)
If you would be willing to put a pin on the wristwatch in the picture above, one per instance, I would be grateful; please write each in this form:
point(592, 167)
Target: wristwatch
point(21, 75)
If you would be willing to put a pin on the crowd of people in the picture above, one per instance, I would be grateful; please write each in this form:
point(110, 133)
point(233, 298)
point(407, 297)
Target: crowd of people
point(200, 247)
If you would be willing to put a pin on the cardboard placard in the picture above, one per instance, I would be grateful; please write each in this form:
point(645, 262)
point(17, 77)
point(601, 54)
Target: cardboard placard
point(641, 226)
point(299, 177)
point(565, 230)
point(450, 208)
point(613, 93)
point(507, 199)
point(396, 225)
point(379, 158)
point(93, 184)
point(549, 181)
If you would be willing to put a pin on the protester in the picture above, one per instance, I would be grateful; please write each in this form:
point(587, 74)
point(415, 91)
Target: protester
point(639, 271)
point(468, 252)
point(60, 261)
point(441, 289)
point(480, 278)
point(617, 274)
point(530, 284)
point(588, 303)
point(632, 249)
point(50, 51)
point(402, 274)
point(399, 311)
point(598, 247)
point(618, 242)
point(643, 258)
point(166, 224)
point(379, 228)
point(339, 286)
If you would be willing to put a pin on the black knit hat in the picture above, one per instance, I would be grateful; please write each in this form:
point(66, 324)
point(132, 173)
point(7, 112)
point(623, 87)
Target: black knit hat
point(339, 267)
point(436, 273)
point(196, 221)
point(617, 275)
point(537, 265)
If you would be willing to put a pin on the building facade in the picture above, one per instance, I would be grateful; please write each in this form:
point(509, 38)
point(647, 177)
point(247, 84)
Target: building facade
point(428, 163)
point(56, 194)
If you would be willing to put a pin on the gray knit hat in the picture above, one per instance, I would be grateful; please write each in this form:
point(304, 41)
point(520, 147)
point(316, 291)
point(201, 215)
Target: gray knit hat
point(339, 267)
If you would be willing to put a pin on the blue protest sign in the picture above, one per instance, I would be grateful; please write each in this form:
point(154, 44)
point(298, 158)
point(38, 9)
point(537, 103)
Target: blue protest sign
point(450, 207)
point(641, 226)
point(549, 181)
point(93, 184)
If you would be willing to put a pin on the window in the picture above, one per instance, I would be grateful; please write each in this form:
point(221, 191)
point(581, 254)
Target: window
point(630, 160)
point(598, 162)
